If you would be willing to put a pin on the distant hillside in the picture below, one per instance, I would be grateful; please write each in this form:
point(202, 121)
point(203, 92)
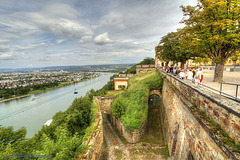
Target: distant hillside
point(87, 68)
point(146, 61)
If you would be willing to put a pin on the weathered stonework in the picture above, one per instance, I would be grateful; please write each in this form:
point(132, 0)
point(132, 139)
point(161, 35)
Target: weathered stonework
point(131, 137)
point(187, 135)
point(144, 68)
point(157, 92)
point(104, 103)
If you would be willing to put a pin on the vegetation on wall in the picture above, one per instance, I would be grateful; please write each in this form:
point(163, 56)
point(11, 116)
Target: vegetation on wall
point(131, 106)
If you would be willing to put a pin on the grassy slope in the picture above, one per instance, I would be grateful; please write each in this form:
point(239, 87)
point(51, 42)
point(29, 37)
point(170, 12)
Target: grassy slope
point(132, 105)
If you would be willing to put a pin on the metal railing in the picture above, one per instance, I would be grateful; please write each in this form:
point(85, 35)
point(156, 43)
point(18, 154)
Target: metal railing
point(220, 92)
point(221, 83)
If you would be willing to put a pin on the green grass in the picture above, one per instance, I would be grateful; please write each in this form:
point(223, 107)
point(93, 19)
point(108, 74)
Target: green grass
point(118, 153)
point(131, 106)
point(165, 152)
point(113, 93)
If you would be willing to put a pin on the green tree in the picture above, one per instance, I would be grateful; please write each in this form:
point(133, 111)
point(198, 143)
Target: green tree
point(10, 141)
point(206, 60)
point(235, 58)
point(175, 47)
point(214, 24)
point(198, 60)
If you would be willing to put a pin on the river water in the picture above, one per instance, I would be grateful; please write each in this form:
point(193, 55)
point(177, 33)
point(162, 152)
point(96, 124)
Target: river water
point(32, 112)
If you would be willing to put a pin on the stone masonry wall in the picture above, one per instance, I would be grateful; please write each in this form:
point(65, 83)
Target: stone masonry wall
point(187, 135)
point(131, 137)
point(144, 68)
point(104, 103)
point(224, 111)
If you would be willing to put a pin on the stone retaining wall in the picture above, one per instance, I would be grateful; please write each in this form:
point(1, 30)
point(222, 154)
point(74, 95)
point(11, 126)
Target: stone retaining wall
point(104, 103)
point(188, 136)
point(131, 137)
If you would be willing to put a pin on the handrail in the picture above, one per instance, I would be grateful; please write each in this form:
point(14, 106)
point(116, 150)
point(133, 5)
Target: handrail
point(221, 83)
point(220, 92)
point(229, 83)
point(226, 95)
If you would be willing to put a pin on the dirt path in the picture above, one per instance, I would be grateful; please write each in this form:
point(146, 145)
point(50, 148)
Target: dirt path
point(150, 147)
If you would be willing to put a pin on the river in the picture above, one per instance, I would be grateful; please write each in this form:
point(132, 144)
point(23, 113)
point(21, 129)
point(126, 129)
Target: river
point(32, 112)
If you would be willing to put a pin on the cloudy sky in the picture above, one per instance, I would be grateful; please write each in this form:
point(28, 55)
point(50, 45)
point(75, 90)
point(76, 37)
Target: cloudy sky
point(39, 33)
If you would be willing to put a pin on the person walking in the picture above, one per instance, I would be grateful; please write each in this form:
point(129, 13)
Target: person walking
point(189, 75)
point(181, 74)
point(198, 75)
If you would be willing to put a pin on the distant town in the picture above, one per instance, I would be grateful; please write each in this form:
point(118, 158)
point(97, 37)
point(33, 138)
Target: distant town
point(23, 79)
point(21, 82)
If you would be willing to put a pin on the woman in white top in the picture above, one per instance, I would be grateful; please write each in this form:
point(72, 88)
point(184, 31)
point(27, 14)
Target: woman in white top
point(181, 74)
point(189, 75)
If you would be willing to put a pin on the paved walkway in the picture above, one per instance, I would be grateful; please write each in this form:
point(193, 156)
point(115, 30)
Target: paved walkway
point(228, 77)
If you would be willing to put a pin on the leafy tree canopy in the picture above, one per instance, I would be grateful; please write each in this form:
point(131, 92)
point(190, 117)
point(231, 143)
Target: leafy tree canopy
point(215, 26)
point(176, 46)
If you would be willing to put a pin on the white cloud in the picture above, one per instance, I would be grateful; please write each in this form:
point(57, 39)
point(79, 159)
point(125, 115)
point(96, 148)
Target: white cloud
point(113, 19)
point(56, 10)
point(60, 40)
point(32, 33)
point(102, 39)
point(5, 56)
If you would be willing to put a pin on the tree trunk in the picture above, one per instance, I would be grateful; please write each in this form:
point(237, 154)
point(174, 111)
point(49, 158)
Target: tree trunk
point(218, 73)
point(182, 64)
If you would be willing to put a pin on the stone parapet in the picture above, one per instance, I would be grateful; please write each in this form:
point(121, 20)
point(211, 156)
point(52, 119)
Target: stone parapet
point(187, 134)
point(144, 68)
point(224, 111)
point(126, 75)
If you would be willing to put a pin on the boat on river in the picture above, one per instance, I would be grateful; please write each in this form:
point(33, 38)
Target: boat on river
point(48, 122)
point(75, 92)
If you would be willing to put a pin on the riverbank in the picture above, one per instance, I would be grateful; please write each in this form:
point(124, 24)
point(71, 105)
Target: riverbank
point(64, 84)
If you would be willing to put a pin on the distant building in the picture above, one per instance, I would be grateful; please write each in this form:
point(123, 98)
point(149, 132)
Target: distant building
point(121, 82)
point(144, 68)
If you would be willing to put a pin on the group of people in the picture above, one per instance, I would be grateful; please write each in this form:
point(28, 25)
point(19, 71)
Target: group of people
point(193, 74)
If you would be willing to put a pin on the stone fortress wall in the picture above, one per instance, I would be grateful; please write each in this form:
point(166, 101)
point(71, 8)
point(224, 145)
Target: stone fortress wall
point(144, 68)
point(187, 133)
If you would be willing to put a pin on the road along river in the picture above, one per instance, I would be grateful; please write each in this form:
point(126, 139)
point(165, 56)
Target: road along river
point(32, 112)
